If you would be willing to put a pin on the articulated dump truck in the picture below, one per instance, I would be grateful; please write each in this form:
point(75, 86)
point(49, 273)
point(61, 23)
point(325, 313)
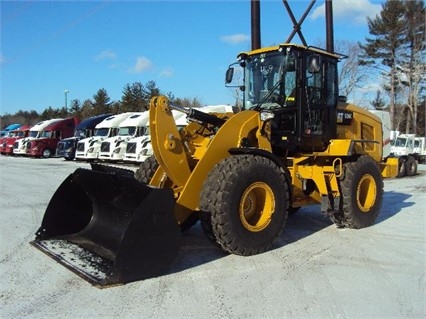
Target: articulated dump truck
point(294, 142)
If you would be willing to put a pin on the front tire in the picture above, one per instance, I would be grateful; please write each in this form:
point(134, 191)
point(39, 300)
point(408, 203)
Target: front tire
point(401, 167)
point(361, 189)
point(146, 170)
point(247, 200)
point(46, 153)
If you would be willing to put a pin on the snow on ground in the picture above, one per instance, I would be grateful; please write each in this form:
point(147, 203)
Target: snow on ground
point(314, 271)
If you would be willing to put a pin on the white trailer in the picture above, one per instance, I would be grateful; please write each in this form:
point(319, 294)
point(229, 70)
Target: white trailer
point(88, 148)
point(20, 146)
point(113, 148)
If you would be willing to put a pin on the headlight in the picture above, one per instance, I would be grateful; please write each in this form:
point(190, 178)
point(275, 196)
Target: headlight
point(90, 150)
point(264, 116)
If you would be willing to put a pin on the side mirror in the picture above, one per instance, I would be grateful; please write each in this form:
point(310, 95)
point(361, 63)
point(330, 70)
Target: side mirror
point(229, 75)
point(314, 63)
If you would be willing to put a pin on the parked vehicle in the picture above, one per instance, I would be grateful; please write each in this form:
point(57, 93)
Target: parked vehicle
point(45, 145)
point(20, 146)
point(113, 148)
point(88, 148)
point(67, 147)
point(420, 149)
point(7, 143)
point(9, 128)
point(139, 147)
point(409, 149)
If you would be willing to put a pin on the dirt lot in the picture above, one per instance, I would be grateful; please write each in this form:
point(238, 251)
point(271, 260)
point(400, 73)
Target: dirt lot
point(314, 271)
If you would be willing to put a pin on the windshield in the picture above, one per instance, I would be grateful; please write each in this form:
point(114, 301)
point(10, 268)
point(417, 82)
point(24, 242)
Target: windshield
point(143, 131)
point(33, 134)
point(400, 141)
point(102, 131)
point(81, 133)
point(46, 134)
point(126, 131)
point(270, 80)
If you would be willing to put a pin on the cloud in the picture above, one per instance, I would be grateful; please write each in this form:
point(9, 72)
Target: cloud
point(235, 38)
point(106, 55)
point(166, 73)
point(355, 11)
point(142, 64)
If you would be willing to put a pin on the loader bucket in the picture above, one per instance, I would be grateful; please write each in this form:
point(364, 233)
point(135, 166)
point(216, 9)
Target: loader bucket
point(109, 228)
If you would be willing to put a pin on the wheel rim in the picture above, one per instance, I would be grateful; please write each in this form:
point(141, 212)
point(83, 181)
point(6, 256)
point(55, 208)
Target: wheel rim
point(46, 153)
point(257, 206)
point(366, 193)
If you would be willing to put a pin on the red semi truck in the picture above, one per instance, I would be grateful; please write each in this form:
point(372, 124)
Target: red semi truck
point(7, 143)
point(45, 145)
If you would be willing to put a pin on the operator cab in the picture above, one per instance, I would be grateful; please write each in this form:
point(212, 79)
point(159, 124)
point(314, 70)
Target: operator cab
point(295, 86)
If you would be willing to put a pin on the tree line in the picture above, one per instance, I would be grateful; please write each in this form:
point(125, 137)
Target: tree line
point(135, 98)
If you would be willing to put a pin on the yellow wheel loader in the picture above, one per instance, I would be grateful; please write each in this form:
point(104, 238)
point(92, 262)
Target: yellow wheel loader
point(294, 142)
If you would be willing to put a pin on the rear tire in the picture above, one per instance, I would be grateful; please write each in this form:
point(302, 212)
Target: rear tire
point(411, 166)
point(361, 190)
point(247, 199)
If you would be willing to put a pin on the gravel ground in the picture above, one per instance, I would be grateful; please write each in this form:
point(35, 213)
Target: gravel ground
point(314, 271)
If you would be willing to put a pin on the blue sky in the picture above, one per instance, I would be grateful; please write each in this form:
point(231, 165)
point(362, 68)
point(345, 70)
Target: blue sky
point(48, 47)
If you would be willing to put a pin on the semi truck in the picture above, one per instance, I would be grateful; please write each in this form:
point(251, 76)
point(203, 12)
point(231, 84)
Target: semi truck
point(113, 148)
point(20, 146)
point(7, 143)
point(45, 145)
point(400, 146)
point(410, 150)
point(88, 148)
point(139, 147)
point(67, 147)
point(9, 128)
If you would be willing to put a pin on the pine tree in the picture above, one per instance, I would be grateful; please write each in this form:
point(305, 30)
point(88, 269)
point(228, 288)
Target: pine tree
point(101, 103)
point(378, 103)
point(388, 29)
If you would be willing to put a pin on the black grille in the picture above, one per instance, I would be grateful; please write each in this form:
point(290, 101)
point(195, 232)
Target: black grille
point(16, 145)
point(105, 147)
point(131, 147)
point(80, 147)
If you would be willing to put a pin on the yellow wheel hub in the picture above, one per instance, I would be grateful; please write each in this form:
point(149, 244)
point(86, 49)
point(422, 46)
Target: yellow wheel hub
point(257, 206)
point(366, 193)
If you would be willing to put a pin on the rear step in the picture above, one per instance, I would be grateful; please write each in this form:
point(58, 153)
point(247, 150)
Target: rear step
point(109, 228)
